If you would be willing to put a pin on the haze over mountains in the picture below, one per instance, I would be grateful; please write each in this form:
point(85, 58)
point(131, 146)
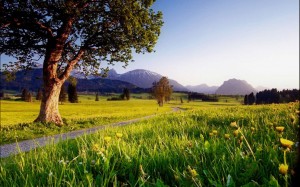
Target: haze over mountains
point(138, 80)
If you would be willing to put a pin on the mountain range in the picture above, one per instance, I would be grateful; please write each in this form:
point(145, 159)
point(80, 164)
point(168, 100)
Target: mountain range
point(138, 80)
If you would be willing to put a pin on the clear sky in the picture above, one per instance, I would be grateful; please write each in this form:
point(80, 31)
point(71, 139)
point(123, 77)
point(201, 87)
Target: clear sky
point(211, 41)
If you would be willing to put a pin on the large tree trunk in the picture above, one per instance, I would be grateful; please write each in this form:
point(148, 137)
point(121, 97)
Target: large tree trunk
point(49, 106)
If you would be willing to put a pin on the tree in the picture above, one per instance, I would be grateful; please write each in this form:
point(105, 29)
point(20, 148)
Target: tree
point(24, 94)
point(74, 34)
point(246, 100)
point(39, 94)
point(126, 93)
point(251, 99)
point(161, 90)
point(62, 94)
point(97, 97)
point(28, 97)
point(72, 91)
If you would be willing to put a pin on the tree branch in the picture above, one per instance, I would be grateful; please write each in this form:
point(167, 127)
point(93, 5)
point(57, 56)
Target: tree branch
point(71, 65)
point(48, 29)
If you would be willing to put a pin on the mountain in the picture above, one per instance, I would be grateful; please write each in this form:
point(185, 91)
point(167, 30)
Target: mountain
point(32, 80)
point(235, 87)
point(203, 88)
point(144, 79)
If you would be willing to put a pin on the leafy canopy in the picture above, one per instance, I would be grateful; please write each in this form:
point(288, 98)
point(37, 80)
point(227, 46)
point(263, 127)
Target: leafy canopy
point(105, 31)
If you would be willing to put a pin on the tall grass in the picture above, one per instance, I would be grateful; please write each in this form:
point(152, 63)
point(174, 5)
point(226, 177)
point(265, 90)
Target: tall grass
point(183, 149)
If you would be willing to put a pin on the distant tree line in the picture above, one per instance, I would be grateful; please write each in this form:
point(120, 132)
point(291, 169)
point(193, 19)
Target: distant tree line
point(272, 96)
point(199, 96)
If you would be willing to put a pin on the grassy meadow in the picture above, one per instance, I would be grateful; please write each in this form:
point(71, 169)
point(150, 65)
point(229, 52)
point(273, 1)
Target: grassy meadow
point(204, 144)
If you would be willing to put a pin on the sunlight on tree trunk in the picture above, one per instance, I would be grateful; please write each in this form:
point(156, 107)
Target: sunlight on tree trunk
point(49, 106)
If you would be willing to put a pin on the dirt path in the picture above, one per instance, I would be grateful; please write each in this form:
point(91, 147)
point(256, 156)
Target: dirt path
point(27, 145)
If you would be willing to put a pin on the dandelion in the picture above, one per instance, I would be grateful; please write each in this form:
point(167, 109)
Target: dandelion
point(233, 124)
point(192, 172)
point(241, 138)
point(107, 139)
point(283, 169)
point(95, 147)
point(119, 135)
point(227, 136)
point(286, 143)
point(215, 132)
point(279, 128)
point(236, 132)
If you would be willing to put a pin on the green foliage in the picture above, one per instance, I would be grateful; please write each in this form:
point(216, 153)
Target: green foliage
point(62, 94)
point(107, 31)
point(72, 91)
point(177, 149)
point(162, 91)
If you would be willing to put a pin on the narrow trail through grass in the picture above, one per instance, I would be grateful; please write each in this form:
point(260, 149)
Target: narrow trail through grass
point(27, 145)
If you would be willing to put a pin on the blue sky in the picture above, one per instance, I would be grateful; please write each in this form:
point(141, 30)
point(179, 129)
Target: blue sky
point(211, 41)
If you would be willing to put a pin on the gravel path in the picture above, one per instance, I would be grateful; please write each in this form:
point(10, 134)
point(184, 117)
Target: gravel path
point(27, 145)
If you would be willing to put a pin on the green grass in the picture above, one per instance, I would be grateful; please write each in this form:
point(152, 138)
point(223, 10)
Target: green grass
point(176, 149)
point(17, 116)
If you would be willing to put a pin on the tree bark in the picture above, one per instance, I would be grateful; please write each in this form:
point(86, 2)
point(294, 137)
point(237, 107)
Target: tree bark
point(49, 106)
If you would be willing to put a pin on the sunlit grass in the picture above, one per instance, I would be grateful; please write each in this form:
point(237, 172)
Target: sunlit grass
point(171, 149)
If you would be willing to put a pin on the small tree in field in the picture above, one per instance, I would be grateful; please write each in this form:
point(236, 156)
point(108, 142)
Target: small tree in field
point(74, 34)
point(39, 94)
point(24, 94)
point(97, 97)
point(72, 91)
point(161, 90)
point(126, 93)
point(62, 94)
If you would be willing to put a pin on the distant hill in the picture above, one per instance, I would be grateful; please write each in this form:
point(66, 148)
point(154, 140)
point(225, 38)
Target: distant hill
point(235, 87)
point(203, 88)
point(143, 78)
point(32, 80)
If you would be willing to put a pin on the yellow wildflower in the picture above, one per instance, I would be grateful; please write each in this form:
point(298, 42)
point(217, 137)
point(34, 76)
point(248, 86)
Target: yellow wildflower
point(192, 172)
point(286, 143)
point(211, 134)
point(252, 129)
point(215, 132)
point(227, 136)
point(95, 147)
point(235, 133)
point(119, 135)
point(107, 139)
point(279, 129)
point(283, 169)
point(241, 138)
point(233, 124)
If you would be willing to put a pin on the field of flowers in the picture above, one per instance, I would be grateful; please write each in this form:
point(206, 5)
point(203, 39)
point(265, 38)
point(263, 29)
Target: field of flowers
point(207, 146)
